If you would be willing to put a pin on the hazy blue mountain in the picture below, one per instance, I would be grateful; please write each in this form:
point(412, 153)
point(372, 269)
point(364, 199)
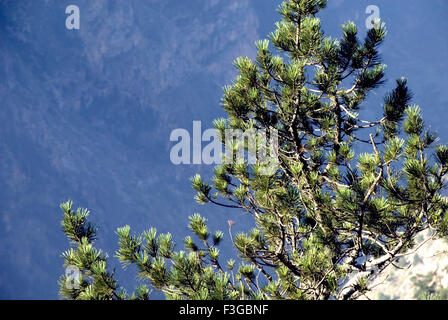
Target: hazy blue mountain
point(87, 114)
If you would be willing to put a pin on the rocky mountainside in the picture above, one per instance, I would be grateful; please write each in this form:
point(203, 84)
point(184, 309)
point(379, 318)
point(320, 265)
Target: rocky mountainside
point(422, 274)
point(87, 114)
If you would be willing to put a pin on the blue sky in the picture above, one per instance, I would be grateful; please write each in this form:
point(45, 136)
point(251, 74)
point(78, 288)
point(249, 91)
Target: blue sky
point(87, 114)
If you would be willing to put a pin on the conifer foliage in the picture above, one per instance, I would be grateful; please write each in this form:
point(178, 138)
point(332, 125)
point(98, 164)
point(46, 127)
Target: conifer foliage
point(328, 220)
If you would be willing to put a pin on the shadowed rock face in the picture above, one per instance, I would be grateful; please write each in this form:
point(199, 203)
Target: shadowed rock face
point(87, 114)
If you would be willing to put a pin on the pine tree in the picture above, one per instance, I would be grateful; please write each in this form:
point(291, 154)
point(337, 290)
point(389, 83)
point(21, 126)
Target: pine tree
point(327, 221)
